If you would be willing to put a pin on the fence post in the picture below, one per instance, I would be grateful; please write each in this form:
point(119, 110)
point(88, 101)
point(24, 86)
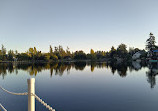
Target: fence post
point(31, 98)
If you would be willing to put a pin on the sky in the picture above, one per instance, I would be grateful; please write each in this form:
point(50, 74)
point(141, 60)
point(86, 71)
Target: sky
point(78, 24)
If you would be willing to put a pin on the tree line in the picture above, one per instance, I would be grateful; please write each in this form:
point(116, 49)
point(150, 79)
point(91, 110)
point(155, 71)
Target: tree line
point(58, 53)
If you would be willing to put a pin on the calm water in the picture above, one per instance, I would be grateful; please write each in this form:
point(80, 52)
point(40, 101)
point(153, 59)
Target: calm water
point(83, 86)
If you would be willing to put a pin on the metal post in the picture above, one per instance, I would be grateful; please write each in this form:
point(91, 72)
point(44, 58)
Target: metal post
point(31, 92)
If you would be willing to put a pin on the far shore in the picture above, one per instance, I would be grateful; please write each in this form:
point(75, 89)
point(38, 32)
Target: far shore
point(52, 61)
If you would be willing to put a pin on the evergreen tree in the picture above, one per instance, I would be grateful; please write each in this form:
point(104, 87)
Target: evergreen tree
point(150, 42)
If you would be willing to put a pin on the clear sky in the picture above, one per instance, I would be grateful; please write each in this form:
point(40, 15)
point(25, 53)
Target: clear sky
point(79, 24)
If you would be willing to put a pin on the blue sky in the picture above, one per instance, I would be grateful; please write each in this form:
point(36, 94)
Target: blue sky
point(78, 24)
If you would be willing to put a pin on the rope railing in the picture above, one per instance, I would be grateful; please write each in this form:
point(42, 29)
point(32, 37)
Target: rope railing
point(2, 107)
point(31, 94)
point(13, 93)
point(44, 103)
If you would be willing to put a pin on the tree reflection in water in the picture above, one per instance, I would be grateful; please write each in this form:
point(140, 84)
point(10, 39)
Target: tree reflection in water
point(151, 74)
point(58, 68)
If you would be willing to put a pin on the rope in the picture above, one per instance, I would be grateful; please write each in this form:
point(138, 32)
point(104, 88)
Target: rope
point(2, 107)
point(25, 93)
point(44, 103)
point(13, 93)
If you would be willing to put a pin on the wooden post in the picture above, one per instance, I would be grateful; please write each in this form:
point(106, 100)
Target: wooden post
point(31, 98)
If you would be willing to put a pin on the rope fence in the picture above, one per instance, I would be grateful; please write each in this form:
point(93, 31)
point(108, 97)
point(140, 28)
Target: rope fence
point(13, 93)
point(31, 94)
point(2, 107)
point(44, 103)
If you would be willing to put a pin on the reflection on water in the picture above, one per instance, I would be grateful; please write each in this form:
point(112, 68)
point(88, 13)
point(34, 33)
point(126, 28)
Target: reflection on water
point(151, 74)
point(86, 86)
point(61, 67)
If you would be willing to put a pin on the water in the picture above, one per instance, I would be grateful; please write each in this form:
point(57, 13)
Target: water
point(82, 86)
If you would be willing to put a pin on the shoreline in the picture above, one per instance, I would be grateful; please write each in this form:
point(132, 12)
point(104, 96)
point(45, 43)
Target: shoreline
point(51, 61)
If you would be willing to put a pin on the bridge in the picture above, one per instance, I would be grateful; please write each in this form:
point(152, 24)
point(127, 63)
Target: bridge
point(31, 96)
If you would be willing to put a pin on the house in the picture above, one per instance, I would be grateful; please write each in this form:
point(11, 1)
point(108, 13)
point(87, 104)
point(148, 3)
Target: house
point(136, 55)
point(139, 55)
point(153, 54)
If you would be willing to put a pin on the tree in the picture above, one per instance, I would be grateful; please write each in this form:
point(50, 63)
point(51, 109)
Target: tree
point(100, 54)
point(112, 52)
point(16, 52)
point(122, 48)
point(92, 52)
point(34, 51)
point(30, 52)
point(23, 56)
point(79, 55)
point(54, 57)
point(0, 55)
point(62, 51)
point(3, 51)
point(10, 55)
point(51, 50)
point(92, 55)
point(68, 53)
point(122, 51)
point(150, 42)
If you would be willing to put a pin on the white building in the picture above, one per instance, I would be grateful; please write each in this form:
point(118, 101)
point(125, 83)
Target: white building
point(136, 56)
